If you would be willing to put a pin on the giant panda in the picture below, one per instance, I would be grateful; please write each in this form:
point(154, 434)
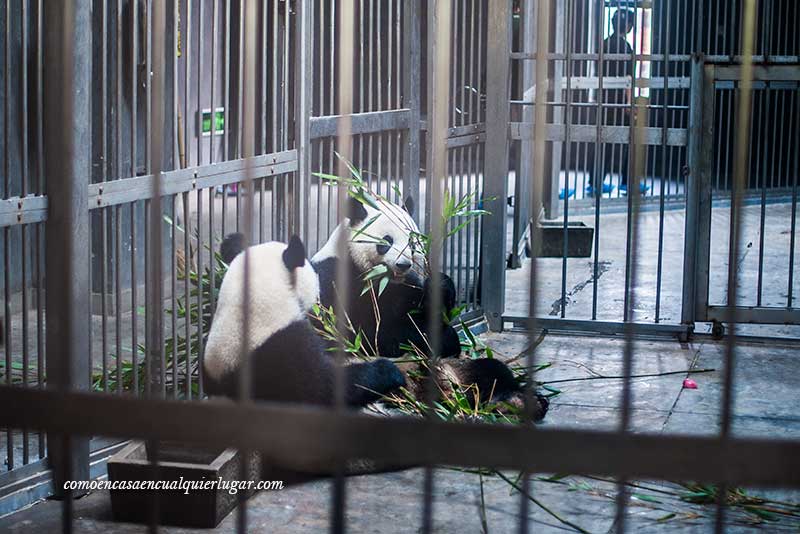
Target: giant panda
point(288, 360)
point(385, 237)
point(404, 306)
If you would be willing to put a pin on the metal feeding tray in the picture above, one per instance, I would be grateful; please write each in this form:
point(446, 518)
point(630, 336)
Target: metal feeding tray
point(580, 239)
point(199, 508)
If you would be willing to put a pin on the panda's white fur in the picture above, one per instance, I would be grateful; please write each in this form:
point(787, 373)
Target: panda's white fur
point(273, 298)
point(392, 220)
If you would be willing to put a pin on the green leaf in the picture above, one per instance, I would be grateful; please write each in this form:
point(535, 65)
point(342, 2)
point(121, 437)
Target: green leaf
point(555, 478)
point(763, 514)
point(382, 286)
point(645, 497)
point(376, 271)
point(664, 519)
point(472, 341)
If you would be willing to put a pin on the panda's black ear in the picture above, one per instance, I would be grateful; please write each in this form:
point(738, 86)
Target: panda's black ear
point(295, 254)
point(356, 211)
point(408, 205)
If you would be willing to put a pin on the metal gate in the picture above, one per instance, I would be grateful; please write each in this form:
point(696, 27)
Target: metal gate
point(758, 213)
point(597, 85)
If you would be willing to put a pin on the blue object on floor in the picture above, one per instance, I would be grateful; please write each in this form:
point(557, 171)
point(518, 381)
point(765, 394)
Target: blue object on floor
point(643, 188)
point(607, 188)
point(561, 194)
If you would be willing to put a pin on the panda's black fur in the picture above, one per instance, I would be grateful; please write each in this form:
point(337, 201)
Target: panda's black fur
point(291, 364)
point(403, 307)
point(403, 310)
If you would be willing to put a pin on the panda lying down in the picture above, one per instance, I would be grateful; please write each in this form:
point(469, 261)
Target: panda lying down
point(289, 359)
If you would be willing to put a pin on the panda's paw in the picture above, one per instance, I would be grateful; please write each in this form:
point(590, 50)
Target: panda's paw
point(539, 409)
point(386, 375)
point(544, 405)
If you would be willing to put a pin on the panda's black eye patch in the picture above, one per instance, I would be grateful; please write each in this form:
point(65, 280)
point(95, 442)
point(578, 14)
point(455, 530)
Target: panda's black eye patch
point(385, 245)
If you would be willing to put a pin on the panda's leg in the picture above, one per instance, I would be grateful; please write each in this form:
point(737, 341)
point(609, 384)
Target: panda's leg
point(491, 379)
point(414, 332)
point(368, 382)
point(292, 366)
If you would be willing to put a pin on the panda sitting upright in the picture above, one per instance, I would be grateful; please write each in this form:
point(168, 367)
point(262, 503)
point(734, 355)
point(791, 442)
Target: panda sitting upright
point(288, 360)
point(384, 236)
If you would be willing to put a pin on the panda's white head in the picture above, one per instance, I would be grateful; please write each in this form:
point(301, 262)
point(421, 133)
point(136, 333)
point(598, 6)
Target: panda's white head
point(384, 234)
point(282, 288)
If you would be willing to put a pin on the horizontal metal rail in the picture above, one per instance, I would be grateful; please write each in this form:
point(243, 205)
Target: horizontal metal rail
point(755, 314)
point(609, 134)
point(712, 58)
point(184, 180)
point(593, 82)
point(23, 210)
point(287, 435)
point(781, 73)
point(361, 123)
point(32, 482)
point(610, 328)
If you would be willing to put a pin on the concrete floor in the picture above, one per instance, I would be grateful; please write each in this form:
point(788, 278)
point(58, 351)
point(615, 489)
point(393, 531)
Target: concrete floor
point(766, 402)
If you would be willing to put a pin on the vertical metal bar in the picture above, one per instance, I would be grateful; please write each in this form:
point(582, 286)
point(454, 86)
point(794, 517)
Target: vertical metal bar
point(200, 293)
point(666, 23)
point(187, 266)
point(68, 65)
point(118, 295)
point(201, 40)
point(7, 230)
point(226, 87)
point(156, 30)
point(369, 88)
point(344, 146)
point(212, 134)
point(633, 196)
point(599, 154)
point(263, 111)
point(248, 91)
point(768, 171)
point(134, 84)
point(567, 147)
point(117, 209)
point(275, 84)
point(741, 170)
point(638, 122)
point(187, 75)
point(333, 107)
point(493, 233)
point(439, 58)
point(412, 17)
point(303, 99)
point(793, 138)
point(134, 306)
point(24, 228)
point(40, 190)
point(539, 165)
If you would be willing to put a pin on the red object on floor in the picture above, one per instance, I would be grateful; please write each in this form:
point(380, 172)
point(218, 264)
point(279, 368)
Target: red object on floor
point(689, 384)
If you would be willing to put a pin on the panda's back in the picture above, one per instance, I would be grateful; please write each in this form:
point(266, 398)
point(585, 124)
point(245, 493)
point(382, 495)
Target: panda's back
point(286, 367)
